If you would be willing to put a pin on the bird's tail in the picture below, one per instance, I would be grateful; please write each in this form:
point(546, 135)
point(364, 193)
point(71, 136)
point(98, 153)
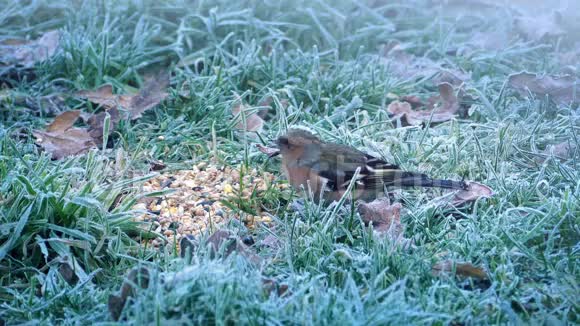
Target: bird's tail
point(400, 178)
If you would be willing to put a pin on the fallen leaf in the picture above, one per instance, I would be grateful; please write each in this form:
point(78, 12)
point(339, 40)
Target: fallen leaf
point(104, 96)
point(561, 151)
point(156, 165)
point(187, 246)
point(564, 90)
point(61, 139)
point(29, 53)
point(539, 27)
point(492, 40)
point(115, 305)
point(64, 121)
point(152, 93)
point(97, 122)
point(385, 218)
point(407, 66)
point(268, 102)
point(253, 121)
point(271, 285)
point(67, 273)
point(473, 192)
point(138, 276)
point(271, 152)
point(460, 269)
point(438, 109)
point(225, 243)
point(271, 241)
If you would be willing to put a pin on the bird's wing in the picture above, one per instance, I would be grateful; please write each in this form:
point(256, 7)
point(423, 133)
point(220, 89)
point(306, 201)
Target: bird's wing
point(338, 163)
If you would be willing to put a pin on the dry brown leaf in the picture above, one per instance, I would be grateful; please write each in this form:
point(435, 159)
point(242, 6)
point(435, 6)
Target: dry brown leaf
point(438, 109)
point(473, 192)
point(271, 152)
point(271, 241)
point(268, 102)
point(64, 121)
point(538, 27)
point(228, 242)
point(61, 139)
point(564, 90)
point(187, 246)
point(29, 53)
point(96, 123)
point(104, 96)
point(67, 273)
point(271, 285)
point(138, 276)
point(385, 218)
point(241, 112)
point(156, 165)
point(152, 93)
point(562, 151)
point(493, 40)
point(461, 269)
point(408, 66)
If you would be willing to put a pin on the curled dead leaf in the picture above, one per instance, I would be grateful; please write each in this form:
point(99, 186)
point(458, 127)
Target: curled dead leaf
point(460, 269)
point(248, 118)
point(225, 243)
point(561, 151)
point(97, 122)
point(138, 277)
point(408, 66)
point(538, 27)
point(61, 139)
point(67, 273)
point(156, 165)
point(151, 94)
point(268, 102)
point(438, 109)
point(271, 242)
point(272, 286)
point(187, 246)
point(73, 141)
point(271, 152)
point(564, 90)
point(385, 218)
point(104, 96)
point(473, 192)
point(63, 121)
point(28, 53)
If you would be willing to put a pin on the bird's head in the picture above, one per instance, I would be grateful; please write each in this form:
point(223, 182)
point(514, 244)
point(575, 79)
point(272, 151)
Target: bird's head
point(296, 138)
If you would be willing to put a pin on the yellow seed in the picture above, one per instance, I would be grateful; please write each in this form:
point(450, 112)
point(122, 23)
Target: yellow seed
point(228, 188)
point(266, 219)
point(173, 210)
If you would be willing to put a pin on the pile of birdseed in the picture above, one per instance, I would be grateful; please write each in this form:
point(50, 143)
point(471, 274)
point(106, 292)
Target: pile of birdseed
point(195, 204)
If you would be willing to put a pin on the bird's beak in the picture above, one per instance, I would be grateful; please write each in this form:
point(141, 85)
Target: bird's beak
point(275, 145)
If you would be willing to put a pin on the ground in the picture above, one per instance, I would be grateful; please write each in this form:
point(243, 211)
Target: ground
point(484, 91)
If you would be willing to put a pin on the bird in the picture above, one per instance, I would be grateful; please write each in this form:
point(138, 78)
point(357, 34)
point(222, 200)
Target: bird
point(327, 169)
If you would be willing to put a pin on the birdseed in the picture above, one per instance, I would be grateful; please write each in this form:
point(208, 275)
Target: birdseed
point(195, 205)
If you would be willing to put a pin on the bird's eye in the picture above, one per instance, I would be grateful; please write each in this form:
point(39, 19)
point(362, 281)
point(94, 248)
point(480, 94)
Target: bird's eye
point(283, 141)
